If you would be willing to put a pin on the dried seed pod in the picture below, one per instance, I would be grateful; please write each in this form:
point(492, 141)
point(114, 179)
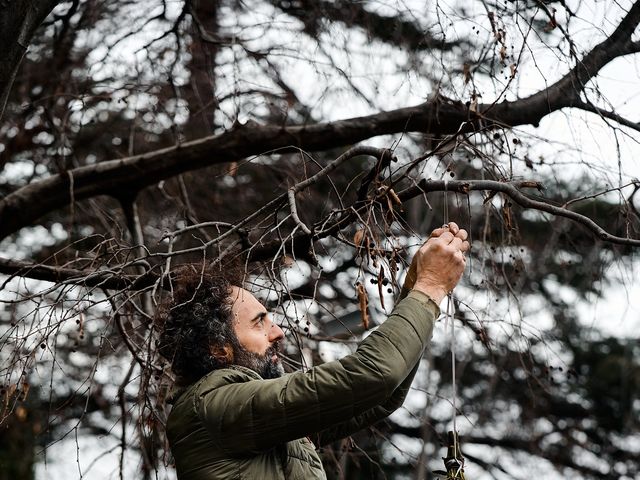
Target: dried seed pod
point(393, 268)
point(394, 196)
point(359, 237)
point(506, 216)
point(21, 413)
point(25, 390)
point(381, 279)
point(363, 302)
point(8, 394)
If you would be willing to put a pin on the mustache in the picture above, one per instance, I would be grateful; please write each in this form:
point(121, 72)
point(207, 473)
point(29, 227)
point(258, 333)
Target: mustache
point(274, 349)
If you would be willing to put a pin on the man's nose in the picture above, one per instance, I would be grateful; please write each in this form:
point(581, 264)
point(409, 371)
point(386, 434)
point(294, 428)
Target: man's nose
point(275, 333)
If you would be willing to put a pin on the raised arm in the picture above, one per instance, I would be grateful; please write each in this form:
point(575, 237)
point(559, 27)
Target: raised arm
point(398, 397)
point(382, 411)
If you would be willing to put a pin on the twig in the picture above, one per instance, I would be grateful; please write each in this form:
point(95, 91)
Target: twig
point(294, 212)
point(512, 190)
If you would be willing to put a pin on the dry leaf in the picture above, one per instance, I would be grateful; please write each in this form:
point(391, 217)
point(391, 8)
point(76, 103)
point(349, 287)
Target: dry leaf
point(466, 72)
point(287, 261)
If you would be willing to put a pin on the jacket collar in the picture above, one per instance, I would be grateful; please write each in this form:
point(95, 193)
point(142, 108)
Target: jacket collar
point(178, 390)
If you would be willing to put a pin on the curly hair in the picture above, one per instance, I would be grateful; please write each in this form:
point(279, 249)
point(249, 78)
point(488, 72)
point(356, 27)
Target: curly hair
point(197, 317)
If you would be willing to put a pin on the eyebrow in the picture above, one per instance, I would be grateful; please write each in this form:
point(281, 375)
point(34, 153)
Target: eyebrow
point(259, 316)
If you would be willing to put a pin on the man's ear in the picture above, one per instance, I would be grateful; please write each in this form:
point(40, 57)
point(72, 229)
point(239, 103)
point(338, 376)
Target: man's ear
point(222, 353)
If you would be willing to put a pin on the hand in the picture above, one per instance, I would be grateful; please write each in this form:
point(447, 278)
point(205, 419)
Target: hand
point(412, 274)
point(437, 267)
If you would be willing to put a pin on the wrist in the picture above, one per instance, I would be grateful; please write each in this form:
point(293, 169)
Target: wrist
point(436, 293)
point(409, 280)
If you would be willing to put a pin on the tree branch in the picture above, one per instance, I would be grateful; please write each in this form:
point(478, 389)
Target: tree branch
point(589, 107)
point(104, 279)
point(437, 116)
point(390, 29)
point(294, 211)
point(298, 245)
point(18, 21)
point(513, 191)
point(566, 91)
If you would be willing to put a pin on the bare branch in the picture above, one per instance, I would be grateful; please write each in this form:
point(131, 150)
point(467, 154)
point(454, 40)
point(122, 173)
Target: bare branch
point(437, 116)
point(589, 107)
point(300, 243)
point(513, 191)
point(98, 278)
point(385, 28)
point(294, 211)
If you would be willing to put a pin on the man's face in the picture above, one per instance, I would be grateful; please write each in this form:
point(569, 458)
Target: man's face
point(258, 337)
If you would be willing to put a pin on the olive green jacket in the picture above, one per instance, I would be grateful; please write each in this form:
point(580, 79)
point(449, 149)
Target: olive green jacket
point(232, 424)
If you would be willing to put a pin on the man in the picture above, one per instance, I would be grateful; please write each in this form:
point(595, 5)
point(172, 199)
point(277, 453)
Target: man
point(237, 416)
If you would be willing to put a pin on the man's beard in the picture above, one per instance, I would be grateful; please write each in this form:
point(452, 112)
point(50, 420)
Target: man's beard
point(263, 365)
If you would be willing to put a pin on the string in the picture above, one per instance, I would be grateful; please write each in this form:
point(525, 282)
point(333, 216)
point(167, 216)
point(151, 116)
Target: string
point(449, 319)
point(453, 371)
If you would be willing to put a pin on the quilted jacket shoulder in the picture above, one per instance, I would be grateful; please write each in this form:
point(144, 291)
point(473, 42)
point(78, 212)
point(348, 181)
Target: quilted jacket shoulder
point(201, 456)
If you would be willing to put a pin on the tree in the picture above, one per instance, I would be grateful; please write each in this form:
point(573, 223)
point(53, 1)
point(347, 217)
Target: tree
point(314, 142)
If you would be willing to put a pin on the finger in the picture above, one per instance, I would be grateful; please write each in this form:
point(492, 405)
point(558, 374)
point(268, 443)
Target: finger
point(462, 233)
point(465, 246)
point(430, 242)
point(453, 227)
point(437, 232)
point(456, 243)
point(460, 256)
point(446, 237)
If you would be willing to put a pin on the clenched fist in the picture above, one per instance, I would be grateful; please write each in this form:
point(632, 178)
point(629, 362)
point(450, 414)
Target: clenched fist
point(437, 267)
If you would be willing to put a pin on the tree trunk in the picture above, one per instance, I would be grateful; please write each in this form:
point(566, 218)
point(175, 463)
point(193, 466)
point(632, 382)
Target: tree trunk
point(200, 94)
point(18, 442)
point(18, 21)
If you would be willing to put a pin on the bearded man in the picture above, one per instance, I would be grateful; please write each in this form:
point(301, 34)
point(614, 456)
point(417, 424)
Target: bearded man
point(237, 415)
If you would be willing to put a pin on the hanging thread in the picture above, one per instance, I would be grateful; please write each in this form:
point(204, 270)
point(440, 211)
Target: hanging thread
point(454, 462)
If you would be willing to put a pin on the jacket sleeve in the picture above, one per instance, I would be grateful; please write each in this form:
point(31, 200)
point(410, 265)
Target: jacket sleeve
point(368, 418)
point(254, 416)
point(380, 412)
